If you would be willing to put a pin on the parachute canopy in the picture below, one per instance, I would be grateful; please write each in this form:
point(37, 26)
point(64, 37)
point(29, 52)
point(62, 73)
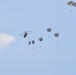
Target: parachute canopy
point(40, 39)
point(74, 4)
point(49, 29)
point(71, 3)
point(33, 41)
point(29, 42)
point(56, 34)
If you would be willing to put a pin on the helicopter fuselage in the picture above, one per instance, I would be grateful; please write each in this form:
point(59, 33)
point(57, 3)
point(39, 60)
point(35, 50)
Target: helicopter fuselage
point(25, 35)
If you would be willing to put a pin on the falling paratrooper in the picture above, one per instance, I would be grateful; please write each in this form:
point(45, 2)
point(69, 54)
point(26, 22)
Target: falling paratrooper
point(33, 41)
point(56, 35)
point(49, 30)
point(40, 39)
point(29, 42)
point(71, 3)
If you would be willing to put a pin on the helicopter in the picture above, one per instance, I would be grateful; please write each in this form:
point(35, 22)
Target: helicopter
point(25, 33)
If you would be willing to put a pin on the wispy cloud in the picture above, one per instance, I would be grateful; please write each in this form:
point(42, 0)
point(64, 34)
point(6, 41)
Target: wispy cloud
point(6, 39)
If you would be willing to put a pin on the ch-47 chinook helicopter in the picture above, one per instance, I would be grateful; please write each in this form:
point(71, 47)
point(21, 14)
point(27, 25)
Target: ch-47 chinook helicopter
point(25, 33)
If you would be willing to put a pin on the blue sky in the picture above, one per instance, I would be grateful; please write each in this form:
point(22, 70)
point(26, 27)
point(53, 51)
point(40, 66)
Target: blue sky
point(37, 15)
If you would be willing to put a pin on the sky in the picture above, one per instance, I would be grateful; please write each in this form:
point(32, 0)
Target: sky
point(17, 57)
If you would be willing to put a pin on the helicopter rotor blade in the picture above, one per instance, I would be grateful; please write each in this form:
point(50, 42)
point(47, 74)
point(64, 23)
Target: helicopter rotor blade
point(27, 31)
point(20, 34)
point(24, 30)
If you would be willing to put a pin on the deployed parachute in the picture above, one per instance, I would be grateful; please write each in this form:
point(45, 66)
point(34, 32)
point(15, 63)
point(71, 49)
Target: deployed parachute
point(33, 41)
point(40, 39)
point(71, 3)
point(49, 29)
point(56, 34)
point(29, 42)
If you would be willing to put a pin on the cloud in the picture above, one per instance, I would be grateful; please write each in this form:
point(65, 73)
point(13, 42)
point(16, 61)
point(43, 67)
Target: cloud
point(6, 39)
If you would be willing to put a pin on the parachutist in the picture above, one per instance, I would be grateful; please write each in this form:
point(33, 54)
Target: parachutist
point(56, 34)
point(71, 10)
point(33, 41)
point(29, 42)
point(49, 29)
point(40, 39)
point(74, 4)
point(70, 2)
